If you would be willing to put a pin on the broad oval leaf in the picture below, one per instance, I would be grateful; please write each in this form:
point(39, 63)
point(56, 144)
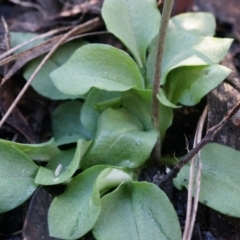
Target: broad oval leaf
point(17, 175)
point(194, 23)
point(135, 23)
point(220, 181)
point(185, 49)
point(137, 211)
point(79, 206)
point(37, 152)
point(188, 85)
point(42, 82)
point(120, 141)
point(63, 166)
point(66, 125)
point(100, 66)
point(89, 113)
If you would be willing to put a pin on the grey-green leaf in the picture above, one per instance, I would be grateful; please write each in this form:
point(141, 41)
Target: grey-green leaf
point(120, 141)
point(79, 206)
point(137, 211)
point(199, 23)
point(63, 166)
point(89, 114)
point(139, 103)
point(185, 49)
point(42, 82)
point(188, 85)
point(220, 179)
point(17, 173)
point(164, 100)
point(100, 66)
point(135, 23)
point(37, 152)
point(66, 125)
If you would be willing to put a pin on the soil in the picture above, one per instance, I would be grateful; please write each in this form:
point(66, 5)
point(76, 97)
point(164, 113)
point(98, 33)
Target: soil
point(30, 121)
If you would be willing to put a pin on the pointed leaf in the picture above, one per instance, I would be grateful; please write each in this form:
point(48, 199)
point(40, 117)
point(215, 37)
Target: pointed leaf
point(188, 85)
point(66, 125)
point(194, 23)
point(137, 211)
point(42, 82)
point(100, 66)
point(135, 23)
point(193, 51)
point(63, 166)
point(120, 141)
point(17, 173)
point(220, 178)
point(37, 152)
point(79, 206)
point(89, 114)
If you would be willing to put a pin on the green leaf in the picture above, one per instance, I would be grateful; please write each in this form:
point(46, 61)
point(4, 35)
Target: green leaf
point(139, 103)
point(199, 23)
point(89, 114)
point(185, 49)
point(79, 206)
point(67, 162)
point(17, 173)
point(137, 210)
point(135, 23)
point(188, 85)
point(42, 82)
point(66, 125)
point(163, 99)
point(37, 152)
point(120, 141)
point(220, 178)
point(100, 66)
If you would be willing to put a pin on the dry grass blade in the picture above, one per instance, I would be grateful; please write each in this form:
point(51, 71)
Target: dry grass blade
point(28, 55)
point(63, 39)
point(44, 35)
point(77, 9)
point(194, 182)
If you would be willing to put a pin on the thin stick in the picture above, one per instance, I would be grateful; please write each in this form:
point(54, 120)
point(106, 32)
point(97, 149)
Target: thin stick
point(31, 5)
point(7, 41)
point(167, 8)
point(230, 81)
point(66, 36)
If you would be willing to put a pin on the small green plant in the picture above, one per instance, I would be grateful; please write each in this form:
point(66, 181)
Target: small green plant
point(111, 124)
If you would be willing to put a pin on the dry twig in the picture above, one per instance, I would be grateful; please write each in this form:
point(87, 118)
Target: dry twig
point(207, 139)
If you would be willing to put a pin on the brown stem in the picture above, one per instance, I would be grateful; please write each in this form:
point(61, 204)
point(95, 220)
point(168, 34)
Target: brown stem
point(167, 8)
